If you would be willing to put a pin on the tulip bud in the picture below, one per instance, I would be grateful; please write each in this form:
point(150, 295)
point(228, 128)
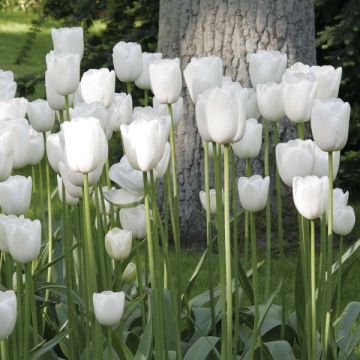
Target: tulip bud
point(127, 58)
point(166, 81)
point(321, 163)
point(68, 40)
point(96, 110)
point(212, 194)
point(7, 85)
point(6, 153)
point(36, 147)
point(253, 192)
point(109, 307)
point(294, 158)
point(344, 220)
point(8, 308)
point(63, 72)
point(86, 145)
point(144, 143)
point(177, 109)
point(118, 243)
point(311, 195)
point(129, 274)
point(266, 66)
point(24, 240)
point(202, 74)
point(41, 116)
point(120, 112)
point(98, 86)
point(250, 144)
point(143, 82)
point(134, 220)
point(201, 118)
point(54, 150)
point(69, 200)
point(330, 124)
point(328, 80)
point(15, 108)
point(15, 195)
point(55, 100)
point(340, 198)
point(270, 100)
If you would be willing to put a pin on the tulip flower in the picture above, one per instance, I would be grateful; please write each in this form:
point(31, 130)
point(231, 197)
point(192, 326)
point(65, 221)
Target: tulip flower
point(134, 220)
point(55, 100)
point(177, 109)
point(73, 190)
point(98, 86)
point(96, 110)
point(8, 313)
point(270, 101)
point(321, 163)
point(340, 198)
point(163, 164)
point(130, 273)
point(127, 58)
point(15, 195)
point(250, 144)
point(118, 243)
point(68, 40)
point(166, 81)
point(86, 145)
point(109, 307)
point(266, 66)
point(253, 192)
point(24, 240)
point(4, 219)
point(252, 108)
point(202, 74)
point(330, 124)
point(344, 220)
point(122, 198)
point(63, 71)
point(144, 143)
point(212, 193)
point(201, 119)
point(294, 158)
point(299, 90)
point(36, 147)
point(7, 85)
point(298, 67)
point(120, 112)
point(143, 82)
point(15, 108)
point(41, 116)
point(310, 195)
point(328, 79)
point(69, 200)
point(6, 153)
point(54, 150)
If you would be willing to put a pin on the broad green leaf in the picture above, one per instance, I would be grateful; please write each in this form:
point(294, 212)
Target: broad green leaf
point(202, 348)
point(349, 348)
point(280, 350)
point(144, 349)
point(347, 255)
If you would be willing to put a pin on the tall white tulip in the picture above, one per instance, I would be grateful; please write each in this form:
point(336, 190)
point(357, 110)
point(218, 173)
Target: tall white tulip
point(311, 195)
point(95, 110)
point(120, 112)
point(118, 243)
point(6, 153)
point(143, 82)
point(8, 313)
point(7, 85)
point(55, 149)
point(344, 220)
point(127, 58)
point(41, 116)
point(271, 101)
point(177, 109)
point(253, 192)
point(212, 194)
point(36, 147)
point(252, 108)
point(201, 118)
point(166, 81)
point(328, 79)
point(68, 40)
point(55, 100)
point(321, 162)
point(202, 74)
point(15, 108)
point(134, 220)
point(266, 66)
point(109, 307)
point(330, 124)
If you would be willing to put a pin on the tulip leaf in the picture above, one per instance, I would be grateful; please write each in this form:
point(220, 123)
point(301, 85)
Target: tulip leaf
point(144, 349)
point(300, 302)
point(280, 350)
point(353, 341)
point(245, 282)
point(346, 256)
point(201, 349)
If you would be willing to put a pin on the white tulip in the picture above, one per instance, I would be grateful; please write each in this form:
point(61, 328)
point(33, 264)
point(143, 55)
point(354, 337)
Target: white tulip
point(202, 74)
point(294, 158)
point(298, 67)
point(177, 109)
point(68, 40)
point(55, 100)
point(344, 220)
point(41, 116)
point(328, 79)
point(6, 153)
point(4, 219)
point(118, 243)
point(163, 164)
point(127, 58)
point(130, 273)
point(122, 198)
point(134, 220)
point(69, 200)
point(143, 82)
point(15, 108)
point(8, 313)
point(252, 108)
point(270, 100)
point(7, 85)
point(55, 150)
point(212, 194)
point(311, 195)
point(330, 124)
point(321, 163)
point(73, 190)
point(253, 192)
point(166, 81)
point(95, 110)
point(109, 307)
point(340, 198)
point(120, 112)
point(201, 118)
point(36, 147)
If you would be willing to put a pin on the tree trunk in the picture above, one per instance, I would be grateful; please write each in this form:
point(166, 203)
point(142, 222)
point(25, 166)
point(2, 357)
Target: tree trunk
point(230, 29)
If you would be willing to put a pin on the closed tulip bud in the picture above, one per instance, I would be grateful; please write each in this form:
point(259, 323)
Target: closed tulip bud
point(15, 195)
point(127, 58)
point(130, 273)
point(98, 86)
point(118, 243)
point(36, 147)
point(55, 100)
point(330, 124)
point(15, 108)
point(299, 90)
point(55, 150)
point(311, 196)
point(321, 163)
point(109, 307)
point(63, 71)
point(24, 240)
point(8, 308)
point(266, 66)
point(250, 144)
point(166, 81)
point(202, 74)
point(7, 85)
point(69, 200)
point(86, 145)
point(328, 79)
point(177, 109)
point(125, 176)
point(252, 108)
point(253, 192)
point(6, 153)
point(270, 101)
point(143, 82)
point(134, 220)
point(344, 220)
point(294, 158)
point(212, 194)
point(41, 116)
point(144, 143)
point(95, 110)
point(68, 40)
point(340, 198)
point(120, 112)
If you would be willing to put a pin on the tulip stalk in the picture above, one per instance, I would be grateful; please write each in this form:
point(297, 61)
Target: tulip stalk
point(27, 312)
point(322, 276)
point(19, 291)
point(4, 350)
point(67, 106)
point(338, 294)
point(246, 225)
point(110, 348)
point(128, 88)
point(313, 290)
point(146, 97)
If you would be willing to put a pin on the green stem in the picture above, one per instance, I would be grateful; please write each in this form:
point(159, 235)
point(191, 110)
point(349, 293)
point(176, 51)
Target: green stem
point(108, 184)
point(34, 196)
point(139, 280)
point(67, 106)
point(322, 277)
point(146, 97)
point(33, 309)
point(128, 88)
point(27, 311)
point(110, 348)
point(338, 295)
point(301, 130)
point(19, 293)
point(246, 225)
point(313, 289)
point(4, 352)
point(61, 116)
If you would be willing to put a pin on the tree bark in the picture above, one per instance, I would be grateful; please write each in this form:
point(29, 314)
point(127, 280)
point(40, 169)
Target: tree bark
point(230, 29)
